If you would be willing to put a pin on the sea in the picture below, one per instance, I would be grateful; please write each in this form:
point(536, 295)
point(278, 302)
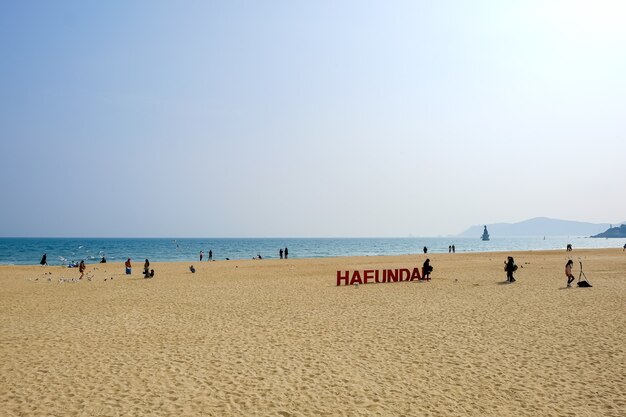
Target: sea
point(62, 251)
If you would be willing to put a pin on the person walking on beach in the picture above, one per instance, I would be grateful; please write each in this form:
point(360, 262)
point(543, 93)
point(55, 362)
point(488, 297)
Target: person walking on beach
point(510, 267)
point(568, 273)
point(210, 255)
point(286, 253)
point(449, 248)
point(44, 259)
point(453, 249)
point(280, 253)
point(128, 266)
point(81, 269)
point(201, 255)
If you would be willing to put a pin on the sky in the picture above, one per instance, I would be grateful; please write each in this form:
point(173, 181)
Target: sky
point(308, 119)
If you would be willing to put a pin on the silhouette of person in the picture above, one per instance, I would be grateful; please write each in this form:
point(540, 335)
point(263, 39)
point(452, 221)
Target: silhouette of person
point(201, 255)
point(280, 253)
point(286, 253)
point(81, 269)
point(449, 248)
point(44, 260)
point(103, 260)
point(568, 273)
point(146, 269)
point(453, 249)
point(426, 270)
point(192, 269)
point(510, 267)
point(210, 255)
point(425, 250)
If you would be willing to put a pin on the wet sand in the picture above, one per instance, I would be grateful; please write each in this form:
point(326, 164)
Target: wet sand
point(279, 338)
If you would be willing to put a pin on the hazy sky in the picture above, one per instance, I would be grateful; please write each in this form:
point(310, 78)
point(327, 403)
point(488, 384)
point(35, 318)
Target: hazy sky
point(338, 118)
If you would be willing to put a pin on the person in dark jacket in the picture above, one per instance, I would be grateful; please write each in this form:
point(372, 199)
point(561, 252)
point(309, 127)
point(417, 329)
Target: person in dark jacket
point(426, 270)
point(44, 260)
point(510, 267)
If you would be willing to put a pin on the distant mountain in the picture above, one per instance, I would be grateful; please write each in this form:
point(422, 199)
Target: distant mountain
point(539, 226)
point(619, 231)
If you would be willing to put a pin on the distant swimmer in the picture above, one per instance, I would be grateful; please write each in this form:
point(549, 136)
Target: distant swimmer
point(44, 260)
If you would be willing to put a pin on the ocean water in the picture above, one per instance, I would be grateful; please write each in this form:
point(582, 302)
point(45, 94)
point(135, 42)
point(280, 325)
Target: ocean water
point(60, 251)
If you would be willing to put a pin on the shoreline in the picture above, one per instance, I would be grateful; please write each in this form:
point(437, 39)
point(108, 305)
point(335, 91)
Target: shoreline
point(572, 254)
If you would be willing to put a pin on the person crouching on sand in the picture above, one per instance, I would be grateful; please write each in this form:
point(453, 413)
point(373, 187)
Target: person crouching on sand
point(568, 273)
point(510, 267)
point(146, 269)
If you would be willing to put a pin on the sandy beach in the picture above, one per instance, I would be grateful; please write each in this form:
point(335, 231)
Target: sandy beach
point(279, 338)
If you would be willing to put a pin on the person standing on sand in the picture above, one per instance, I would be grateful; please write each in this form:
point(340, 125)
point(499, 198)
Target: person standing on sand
point(128, 266)
point(510, 267)
point(280, 253)
point(453, 249)
point(449, 248)
point(286, 253)
point(426, 270)
point(81, 269)
point(425, 250)
point(210, 255)
point(146, 269)
point(44, 259)
point(201, 255)
point(568, 273)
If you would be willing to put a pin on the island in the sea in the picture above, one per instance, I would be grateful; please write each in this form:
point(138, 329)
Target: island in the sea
point(617, 231)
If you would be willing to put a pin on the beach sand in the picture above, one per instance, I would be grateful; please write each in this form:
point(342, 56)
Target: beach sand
point(279, 338)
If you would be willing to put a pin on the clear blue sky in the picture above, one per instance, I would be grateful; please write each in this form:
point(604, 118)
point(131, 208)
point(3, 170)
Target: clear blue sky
point(338, 118)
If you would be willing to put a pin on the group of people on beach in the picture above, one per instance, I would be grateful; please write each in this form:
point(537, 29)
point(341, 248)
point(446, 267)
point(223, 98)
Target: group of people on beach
point(509, 265)
point(210, 258)
point(147, 272)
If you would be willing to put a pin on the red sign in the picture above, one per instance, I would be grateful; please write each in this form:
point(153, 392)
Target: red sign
point(371, 276)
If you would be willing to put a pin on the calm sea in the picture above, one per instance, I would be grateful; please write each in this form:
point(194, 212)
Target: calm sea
point(60, 251)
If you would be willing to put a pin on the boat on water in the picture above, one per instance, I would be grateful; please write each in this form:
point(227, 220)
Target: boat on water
point(485, 235)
